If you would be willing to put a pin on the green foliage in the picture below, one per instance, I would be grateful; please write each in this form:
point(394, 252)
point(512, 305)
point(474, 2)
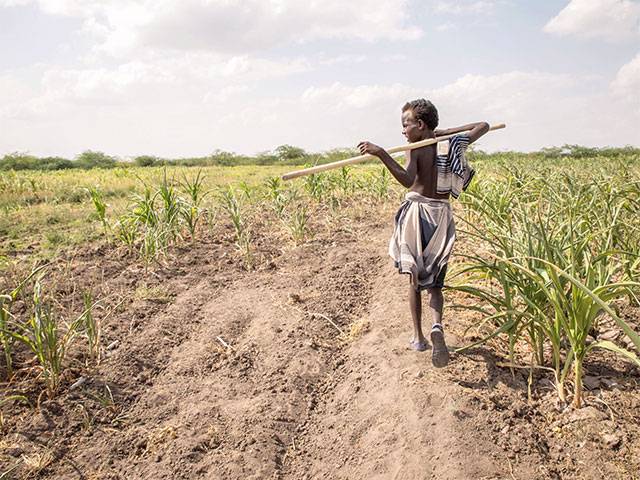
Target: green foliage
point(298, 224)
point(100, 206)
point(42, 335)
point(289, 152)
point(7, 328)
point(287, 155)
point(233, 205)
point(91, 159)
point(146, 161)
point(556, 253)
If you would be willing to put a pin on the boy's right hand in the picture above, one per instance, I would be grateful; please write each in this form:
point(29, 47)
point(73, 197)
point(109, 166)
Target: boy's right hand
point(368, 148)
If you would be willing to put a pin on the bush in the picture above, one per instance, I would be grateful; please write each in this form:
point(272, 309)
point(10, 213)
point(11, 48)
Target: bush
point(19, 161)
point(146, 161)
point(289, 152)
point(55, 163)
point(91, 159)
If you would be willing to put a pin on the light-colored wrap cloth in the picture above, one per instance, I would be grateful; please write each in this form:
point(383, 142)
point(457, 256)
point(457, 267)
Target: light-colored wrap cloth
point(423, 239)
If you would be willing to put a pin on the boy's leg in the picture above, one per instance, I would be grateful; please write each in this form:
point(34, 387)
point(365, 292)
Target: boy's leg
point(440, 355)
point(415, 303)
point(436, 304)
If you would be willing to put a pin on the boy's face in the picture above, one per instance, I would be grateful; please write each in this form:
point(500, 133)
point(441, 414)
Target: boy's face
point(412, 129)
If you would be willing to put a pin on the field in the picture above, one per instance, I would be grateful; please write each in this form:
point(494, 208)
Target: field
point(215, 322)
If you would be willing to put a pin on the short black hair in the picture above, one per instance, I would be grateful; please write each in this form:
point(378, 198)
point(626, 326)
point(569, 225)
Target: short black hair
point(423, 110)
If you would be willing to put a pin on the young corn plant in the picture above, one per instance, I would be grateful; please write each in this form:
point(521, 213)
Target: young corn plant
point(344, 182)
point(191, 211)
point(172, 205)
point(150, 221)
point(379, 186)
point(316, 185)
point(298, 224)
point(100, 206)
point(232, 205)
point(276, 196)
point(42, 336)
point(127, 231)
point(247, 191)
point(7, 328)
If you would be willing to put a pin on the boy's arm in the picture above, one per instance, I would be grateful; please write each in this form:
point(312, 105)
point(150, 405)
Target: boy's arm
point(476, 130)
point(405, 176)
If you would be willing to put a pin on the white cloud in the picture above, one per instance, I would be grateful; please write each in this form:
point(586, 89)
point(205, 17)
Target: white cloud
point(142, 82)
point(340, 97)
point(612, 20)
point(540, 109)
point(232, 26)
point(626, 85)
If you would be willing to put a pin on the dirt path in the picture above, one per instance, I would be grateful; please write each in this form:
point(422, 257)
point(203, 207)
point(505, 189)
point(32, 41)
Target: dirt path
point(290, 397)
point(389, 413)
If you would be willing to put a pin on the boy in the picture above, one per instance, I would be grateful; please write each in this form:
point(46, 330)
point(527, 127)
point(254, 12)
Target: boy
point(424, 230)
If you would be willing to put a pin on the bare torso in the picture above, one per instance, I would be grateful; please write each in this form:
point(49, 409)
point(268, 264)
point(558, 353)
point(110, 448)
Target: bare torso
point(426, 180)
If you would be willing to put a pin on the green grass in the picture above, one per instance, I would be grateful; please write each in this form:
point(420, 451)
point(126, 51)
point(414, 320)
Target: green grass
point(43, 212)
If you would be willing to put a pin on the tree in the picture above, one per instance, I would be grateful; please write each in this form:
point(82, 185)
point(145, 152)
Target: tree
point(289, 152)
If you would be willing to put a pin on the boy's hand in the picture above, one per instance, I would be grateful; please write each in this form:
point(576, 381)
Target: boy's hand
point(367, 148)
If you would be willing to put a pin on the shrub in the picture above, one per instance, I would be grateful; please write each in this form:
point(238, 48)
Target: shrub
point(146, 161)
point(91, 159)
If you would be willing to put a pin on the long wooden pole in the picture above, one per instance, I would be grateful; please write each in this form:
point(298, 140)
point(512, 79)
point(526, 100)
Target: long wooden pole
point(364, 158)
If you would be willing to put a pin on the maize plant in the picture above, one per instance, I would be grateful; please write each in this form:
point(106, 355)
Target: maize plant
point(232, 205)
point(298, 224)
point(100, 206)
point(553, 257)
point(7, 324)
point(276, 196)
point(43, 337)
point(192, 211)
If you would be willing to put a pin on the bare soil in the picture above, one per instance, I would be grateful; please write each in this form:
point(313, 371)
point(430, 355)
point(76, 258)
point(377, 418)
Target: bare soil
point(300, 369)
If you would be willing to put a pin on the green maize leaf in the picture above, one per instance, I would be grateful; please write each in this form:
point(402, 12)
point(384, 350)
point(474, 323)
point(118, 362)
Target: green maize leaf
point(635, 338)
point(608, 345)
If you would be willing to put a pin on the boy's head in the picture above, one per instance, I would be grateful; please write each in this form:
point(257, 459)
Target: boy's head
point(422, 110)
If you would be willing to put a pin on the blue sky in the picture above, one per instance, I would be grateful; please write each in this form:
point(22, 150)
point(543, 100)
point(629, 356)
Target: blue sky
point(186, 77)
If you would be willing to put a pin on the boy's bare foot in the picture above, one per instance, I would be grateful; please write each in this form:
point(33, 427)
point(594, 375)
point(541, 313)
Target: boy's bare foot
point(419, 345)
point(440, 355)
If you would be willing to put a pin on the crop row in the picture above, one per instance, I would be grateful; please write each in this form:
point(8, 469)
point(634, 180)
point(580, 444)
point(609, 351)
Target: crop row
point(558, 253)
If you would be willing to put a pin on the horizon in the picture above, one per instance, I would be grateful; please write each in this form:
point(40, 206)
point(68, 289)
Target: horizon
point(183, 79)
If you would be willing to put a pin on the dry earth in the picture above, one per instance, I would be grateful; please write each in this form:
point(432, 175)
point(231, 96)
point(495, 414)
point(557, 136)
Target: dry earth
point(300, 370)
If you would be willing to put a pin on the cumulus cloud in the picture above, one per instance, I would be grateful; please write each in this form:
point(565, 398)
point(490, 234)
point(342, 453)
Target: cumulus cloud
point(626, 85)
point(611, 20)
point(535, 105)
point(232, 26)
point(540, 109)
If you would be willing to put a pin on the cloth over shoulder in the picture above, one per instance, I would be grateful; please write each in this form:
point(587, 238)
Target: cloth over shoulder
point(454, 171)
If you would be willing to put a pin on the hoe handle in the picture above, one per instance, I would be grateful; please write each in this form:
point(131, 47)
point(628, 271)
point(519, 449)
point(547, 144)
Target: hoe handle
point(364, 158)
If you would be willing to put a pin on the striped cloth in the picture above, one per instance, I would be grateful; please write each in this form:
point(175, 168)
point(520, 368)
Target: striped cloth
point(423, 239)
point(454, 172)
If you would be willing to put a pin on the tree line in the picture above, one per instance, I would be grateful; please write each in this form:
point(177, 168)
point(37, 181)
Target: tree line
point(282, 155)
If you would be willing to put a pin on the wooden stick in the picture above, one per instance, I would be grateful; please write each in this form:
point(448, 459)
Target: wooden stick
point(364, 158)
